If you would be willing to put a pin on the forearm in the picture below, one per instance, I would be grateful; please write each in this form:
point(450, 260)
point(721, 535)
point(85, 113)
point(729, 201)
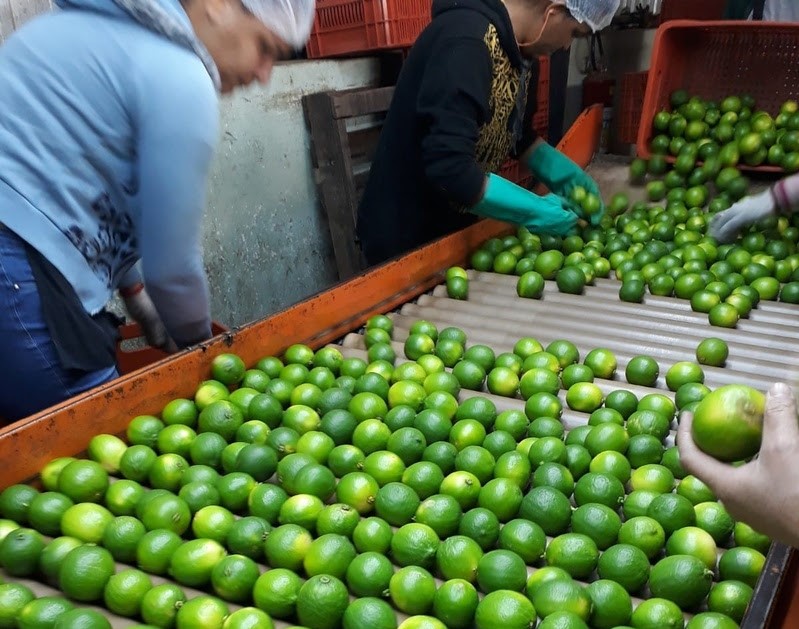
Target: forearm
point(131, 278)
point(786, 194)
point(525, 158)
point(183, 303)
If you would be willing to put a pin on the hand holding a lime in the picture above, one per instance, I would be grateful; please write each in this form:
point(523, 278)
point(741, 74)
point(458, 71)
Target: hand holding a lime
point(587, 204)
point(725, 226)
point(761, 492)
point(563, 177)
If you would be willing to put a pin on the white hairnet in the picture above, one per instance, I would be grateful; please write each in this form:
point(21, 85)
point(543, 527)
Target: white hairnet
point(291, 20)
point(595, 13)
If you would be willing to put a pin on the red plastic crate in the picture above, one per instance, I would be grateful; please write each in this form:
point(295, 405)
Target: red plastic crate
point(717, 59)
point(692, 10)
point(631, 104)
point(132, 359)
point(348, 27)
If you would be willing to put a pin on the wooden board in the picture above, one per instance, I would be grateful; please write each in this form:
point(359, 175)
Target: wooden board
point(342, 158)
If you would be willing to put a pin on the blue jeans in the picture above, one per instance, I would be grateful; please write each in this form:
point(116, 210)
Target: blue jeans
point(31, 376)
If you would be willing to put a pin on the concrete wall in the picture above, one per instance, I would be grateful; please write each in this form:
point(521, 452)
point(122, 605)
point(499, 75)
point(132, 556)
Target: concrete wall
point(14, 13)
point(267, 243)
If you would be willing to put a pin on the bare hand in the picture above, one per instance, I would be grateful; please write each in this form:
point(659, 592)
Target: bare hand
point(764, 492)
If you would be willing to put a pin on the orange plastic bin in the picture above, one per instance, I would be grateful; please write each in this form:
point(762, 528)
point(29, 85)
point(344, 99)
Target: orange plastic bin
point(718, 59)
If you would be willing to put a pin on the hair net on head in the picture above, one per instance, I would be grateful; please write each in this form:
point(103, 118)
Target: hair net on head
point(291, 20)
point(595, 13)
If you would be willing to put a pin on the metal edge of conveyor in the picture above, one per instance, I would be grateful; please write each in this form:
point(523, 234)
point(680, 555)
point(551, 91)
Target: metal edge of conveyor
point(768, 587)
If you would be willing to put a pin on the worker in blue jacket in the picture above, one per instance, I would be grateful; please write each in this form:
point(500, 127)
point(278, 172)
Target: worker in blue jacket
point(108, 123)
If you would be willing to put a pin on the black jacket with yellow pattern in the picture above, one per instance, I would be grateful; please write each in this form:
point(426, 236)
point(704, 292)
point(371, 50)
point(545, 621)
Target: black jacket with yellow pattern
point(460, 109)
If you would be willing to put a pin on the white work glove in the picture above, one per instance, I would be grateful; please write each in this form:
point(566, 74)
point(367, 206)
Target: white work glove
point(725, 226)
point(142, 310)
point(764, 492)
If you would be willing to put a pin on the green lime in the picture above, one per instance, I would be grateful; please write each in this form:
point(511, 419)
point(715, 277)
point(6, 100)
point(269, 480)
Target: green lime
point(637, 502)
point(730, 598)
point(45, 511)
point(414, 544)
point(202, 611)
point(369, 613)
point(301, 509)
point(525, 538)
point(287, 546)
point(600, 488)
point(547, 507)
point(412, 590)
point(554, 475)
point(458, 557)
point(247, 536)
point(598, 522)
point(501, 570)
point(20, 551)
point(482, 526)
point(683, 579)
point(83, 481)
point(13, 598)
point(84, 572)
point(741, 564)
point(329, 554)
point(745, 535)
point(713, 518)
point(276, 591)
point(369, 574)
point(43, 612)
point(644, 533)
point(193, 561)
point(503, 608)
point(135, 464)
point(155, 550)
point(440, 512)
point(611, 604)
point(265, 501)
point(657, 612)
point(160, 605)
point(625, 564)
point(577, 554)
point(644, 449)
point(144, 429)
point(125, 591)
point(652, 477)
point(456, 600)
point(562, 595)
point(233, 578)
point(502, 497)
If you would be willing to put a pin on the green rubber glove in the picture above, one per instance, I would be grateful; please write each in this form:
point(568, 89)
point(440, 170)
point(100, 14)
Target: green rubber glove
point(505, 201)
point(561, 175)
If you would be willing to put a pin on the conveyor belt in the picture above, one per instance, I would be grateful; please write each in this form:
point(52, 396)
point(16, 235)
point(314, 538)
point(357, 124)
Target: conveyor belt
point(764, 348)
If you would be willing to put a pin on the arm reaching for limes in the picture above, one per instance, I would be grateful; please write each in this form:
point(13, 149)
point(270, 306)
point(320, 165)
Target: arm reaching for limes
point(562, 176)
point(779, 199)
point(762, 493)
point(505, 201)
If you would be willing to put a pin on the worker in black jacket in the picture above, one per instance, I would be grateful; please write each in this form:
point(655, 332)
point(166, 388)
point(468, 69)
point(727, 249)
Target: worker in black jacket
point(463, 105)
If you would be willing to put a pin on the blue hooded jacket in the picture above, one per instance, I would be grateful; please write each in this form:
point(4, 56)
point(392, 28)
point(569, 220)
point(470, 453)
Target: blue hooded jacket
point(107, 131)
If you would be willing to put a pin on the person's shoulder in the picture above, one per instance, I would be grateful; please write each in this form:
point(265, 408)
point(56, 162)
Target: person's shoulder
point(459, 27)
point(172, 81)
